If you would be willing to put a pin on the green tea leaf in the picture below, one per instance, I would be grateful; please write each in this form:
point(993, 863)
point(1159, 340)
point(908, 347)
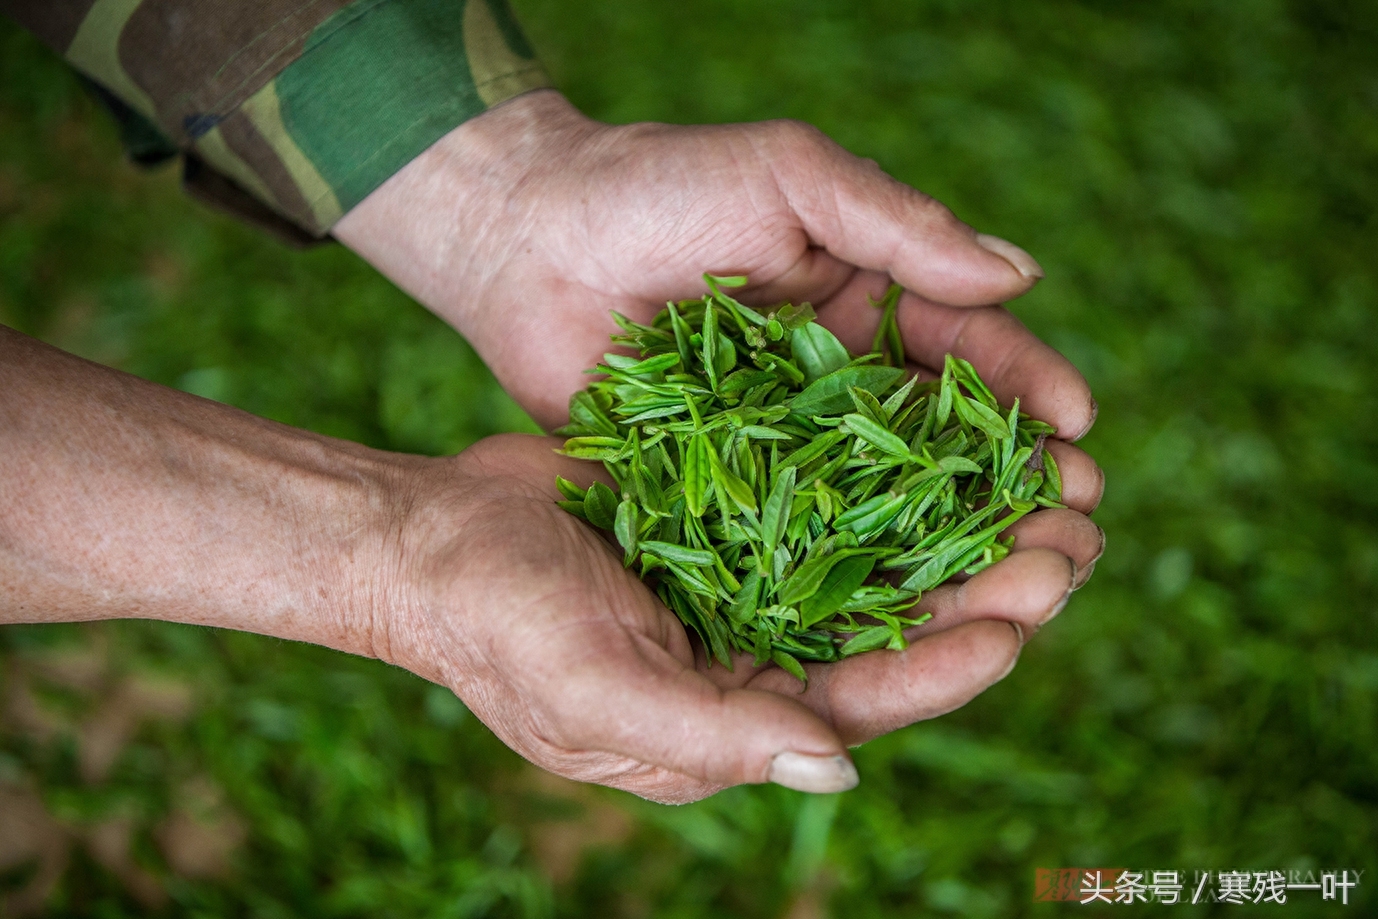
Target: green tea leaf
point(888, 340)
point(869, 406)
point(625, 527)
point(944, 404)
point(793, 317)
point(600, 506)
point(791, 666)
point(756, 432)
point(844, 578)
point(870, 639)
point(657, 364)
point(574, 507)
point(814, 449)
point(779, 364)
point(715, 281)
point(896, 399)
point(682, 336)
point(747, 600)
point(876, 436)
point(567, 488)
point(870, 518)
point(817, 351)
point(584, 410)
point(951, 465)
point(980, 417)
point(674, 553)
point(1052, 477)
point(828, 394)
point(698, 473)
point(710, 344)
point(808, 577)
point(593, 448)
point(729, 483)
point(971, 379)
point(726, 356)
point(739, 381)
point(850, 470)
point(775, 515)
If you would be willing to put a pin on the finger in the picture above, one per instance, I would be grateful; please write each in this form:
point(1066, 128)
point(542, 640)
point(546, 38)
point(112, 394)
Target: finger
point(663, 786)
point(1028, 588)
point(1064, 531)
point(1083, 481)
point(848, 313)
point(1012, 361)
point(881, 691)
point(815, 277)
point(661, 713)
point(868, 219)
point(1010, 358)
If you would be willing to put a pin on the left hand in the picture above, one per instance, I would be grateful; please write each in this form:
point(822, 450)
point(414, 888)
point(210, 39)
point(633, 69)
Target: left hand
point(531, 618)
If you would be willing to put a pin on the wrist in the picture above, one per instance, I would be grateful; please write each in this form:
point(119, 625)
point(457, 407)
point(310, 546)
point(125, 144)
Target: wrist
point(443, 227)
point(124, 499)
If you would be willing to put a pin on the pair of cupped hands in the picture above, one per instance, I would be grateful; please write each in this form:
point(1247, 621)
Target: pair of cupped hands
point(524, 228)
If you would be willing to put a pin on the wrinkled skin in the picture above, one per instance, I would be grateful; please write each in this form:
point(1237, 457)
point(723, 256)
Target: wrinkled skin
point(524, 228)
point(528, 225)
point(529, 615)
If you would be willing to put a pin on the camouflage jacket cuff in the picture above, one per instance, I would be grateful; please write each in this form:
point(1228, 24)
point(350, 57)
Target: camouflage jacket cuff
point(306, 106)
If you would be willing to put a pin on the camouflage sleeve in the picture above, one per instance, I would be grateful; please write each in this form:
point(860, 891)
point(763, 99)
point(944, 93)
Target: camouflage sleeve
point(290, 108)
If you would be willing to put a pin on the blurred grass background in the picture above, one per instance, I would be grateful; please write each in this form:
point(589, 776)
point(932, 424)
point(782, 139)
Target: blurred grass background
point(1200, 181)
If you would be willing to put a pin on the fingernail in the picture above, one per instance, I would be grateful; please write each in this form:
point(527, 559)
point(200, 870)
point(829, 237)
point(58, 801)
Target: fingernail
point(1100, 495)
point(1067, 594)
point(1057, 608)
point(1022, 261)
point(817, 774)
point(1095, 411)
point(1019, 636)
point(1085, 575)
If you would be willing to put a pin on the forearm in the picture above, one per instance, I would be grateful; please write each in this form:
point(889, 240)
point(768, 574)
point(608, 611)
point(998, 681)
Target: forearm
point(121, 498)
point(449, 223)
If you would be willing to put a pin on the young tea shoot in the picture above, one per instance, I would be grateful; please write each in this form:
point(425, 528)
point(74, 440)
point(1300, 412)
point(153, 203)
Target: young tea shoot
point(786, 498)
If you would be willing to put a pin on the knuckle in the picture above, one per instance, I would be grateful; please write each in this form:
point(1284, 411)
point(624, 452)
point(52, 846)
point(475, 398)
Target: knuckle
point(794, 133)
point(934, 212)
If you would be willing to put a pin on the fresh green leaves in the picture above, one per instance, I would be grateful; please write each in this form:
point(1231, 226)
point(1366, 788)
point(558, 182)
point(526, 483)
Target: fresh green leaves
point(873, 433)
point(600, 506)
point(773, 489)
point(817, 351)
point(829, 394)
point(836, 589)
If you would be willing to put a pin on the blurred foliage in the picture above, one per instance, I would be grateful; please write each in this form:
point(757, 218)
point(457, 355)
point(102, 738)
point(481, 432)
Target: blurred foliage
point(1200, 180)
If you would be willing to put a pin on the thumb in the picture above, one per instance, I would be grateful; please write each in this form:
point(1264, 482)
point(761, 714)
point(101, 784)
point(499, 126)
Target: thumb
point(680, 721)
point(849, 206)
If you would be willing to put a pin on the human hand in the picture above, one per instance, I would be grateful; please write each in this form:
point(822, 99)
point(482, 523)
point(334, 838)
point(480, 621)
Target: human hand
point(462, 569)
point(526, 226)
point(529, 615)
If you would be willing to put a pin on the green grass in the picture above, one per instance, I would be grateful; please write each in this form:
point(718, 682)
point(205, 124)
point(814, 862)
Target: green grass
point(1200, 181)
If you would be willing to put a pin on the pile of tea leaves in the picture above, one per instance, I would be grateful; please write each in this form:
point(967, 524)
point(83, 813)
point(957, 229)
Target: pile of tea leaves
point(785, 498)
